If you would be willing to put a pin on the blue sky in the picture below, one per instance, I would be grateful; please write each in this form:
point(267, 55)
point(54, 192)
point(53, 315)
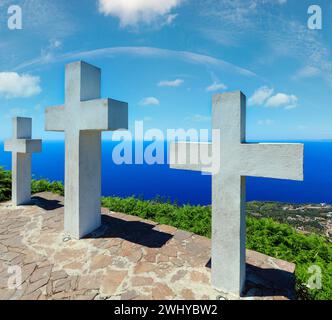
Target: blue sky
point(167, 58)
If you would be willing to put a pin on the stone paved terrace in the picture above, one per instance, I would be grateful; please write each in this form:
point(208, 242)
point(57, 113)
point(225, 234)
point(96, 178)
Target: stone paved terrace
point(127, 258)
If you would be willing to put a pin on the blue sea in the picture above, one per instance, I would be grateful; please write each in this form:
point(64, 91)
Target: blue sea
point(150, 181)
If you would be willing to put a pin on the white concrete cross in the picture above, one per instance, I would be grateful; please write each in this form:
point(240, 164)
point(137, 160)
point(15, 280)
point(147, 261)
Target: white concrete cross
point(22, 146)
point(83, 118)
point(236, 160)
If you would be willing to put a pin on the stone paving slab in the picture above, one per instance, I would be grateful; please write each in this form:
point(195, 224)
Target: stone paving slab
point(127, 258)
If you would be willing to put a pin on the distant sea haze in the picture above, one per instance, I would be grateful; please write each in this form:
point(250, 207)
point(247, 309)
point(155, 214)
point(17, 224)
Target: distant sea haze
point(186, 187)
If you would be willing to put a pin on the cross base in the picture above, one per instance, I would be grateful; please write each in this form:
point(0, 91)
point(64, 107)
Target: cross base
point(21, 178)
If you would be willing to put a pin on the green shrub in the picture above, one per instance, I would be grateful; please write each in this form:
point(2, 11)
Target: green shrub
point(36, 185)
point(192, 218)
point(45, 185)
point(5, 184)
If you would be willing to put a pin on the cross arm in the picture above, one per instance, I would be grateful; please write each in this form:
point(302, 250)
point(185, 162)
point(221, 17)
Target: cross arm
point(268, 160)
point(23, 145)
point(55, 118)
point(104, 115)
point(189, 156)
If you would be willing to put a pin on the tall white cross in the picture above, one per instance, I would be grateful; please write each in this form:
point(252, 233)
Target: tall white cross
point(83, 118)
point(235, 160)
point(22, 146)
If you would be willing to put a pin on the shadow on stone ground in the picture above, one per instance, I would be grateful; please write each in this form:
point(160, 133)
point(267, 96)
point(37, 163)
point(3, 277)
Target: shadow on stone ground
point(133, 231)
point(264, 281)
point(48, 205)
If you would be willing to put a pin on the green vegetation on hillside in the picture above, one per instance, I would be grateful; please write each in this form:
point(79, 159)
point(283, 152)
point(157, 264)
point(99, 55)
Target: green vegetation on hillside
point(5, 184)
point(36, 185)
point(264, 235)
point(309, 218)
point(45, 185)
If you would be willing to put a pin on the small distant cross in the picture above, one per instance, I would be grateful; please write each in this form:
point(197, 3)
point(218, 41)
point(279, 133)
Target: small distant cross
point(22, 146)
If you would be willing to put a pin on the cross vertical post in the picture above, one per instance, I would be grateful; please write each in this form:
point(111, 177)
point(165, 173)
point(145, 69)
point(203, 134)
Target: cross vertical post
point(83, 117)
point(228, 256)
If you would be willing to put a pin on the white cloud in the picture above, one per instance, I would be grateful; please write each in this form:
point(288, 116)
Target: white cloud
point(260, 96)
point(54, 44)
point(215, 86)
point(282, 100)
point(149, 101)
point(48, 52)
point(265, 96)
point(307, 72)
point(145, 52)
point(13, 85)
point(170, 18)
point(131, 12)
point(171, 83)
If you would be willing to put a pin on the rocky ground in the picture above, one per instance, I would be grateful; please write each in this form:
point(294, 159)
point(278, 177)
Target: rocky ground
point(127, 258)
